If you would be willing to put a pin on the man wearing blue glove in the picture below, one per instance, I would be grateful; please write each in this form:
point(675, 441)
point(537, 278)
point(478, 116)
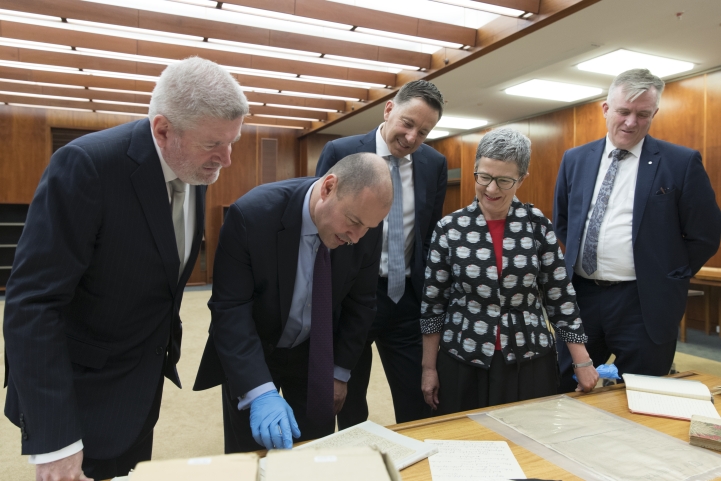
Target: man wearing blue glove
point(293, 300)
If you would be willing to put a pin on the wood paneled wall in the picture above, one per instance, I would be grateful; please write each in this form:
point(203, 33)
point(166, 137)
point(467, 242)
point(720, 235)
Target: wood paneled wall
point(27, 145)
point(690, 115)
point(310, 148)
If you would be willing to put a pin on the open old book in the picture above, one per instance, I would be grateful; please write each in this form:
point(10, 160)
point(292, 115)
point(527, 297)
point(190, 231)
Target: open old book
point(668, 397)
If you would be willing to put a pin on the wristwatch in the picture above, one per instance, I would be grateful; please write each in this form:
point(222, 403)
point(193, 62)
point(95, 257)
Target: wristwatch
point(582, 364)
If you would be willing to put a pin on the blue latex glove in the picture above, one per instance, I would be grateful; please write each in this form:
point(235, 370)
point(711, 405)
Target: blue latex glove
point(272, 421)
point(605, 371)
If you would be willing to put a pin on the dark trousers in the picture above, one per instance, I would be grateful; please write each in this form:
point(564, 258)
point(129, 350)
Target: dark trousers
point(141, 449)
point(464, 387)
point(614, 324)
point(289, 369)
point(396, 331)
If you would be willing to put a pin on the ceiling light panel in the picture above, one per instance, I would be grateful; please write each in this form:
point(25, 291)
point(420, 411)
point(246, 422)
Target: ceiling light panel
point(282, 106)
point(120, 113)
point(428, 10)
point(42, 84)
point(51, 107)
point(135, 92)
point(284, 117)
point(484, 7)
point(621, 60)
point(434, 134)
point(548, 90)
point(41, 96)
point(460, 123)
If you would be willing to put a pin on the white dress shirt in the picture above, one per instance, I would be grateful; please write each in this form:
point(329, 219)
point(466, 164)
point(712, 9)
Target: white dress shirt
point(615, 247)
point(405, 168)
point(189, 232)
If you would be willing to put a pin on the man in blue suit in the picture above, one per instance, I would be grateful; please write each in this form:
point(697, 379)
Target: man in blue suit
point(419, 181)
point(91, 317)
point(639, 218)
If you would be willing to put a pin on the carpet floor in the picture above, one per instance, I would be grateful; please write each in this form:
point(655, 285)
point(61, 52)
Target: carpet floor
point(191, 423)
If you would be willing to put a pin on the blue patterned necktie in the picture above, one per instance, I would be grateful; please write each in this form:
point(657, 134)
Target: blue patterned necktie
point(590, 249)
point(319, 408)
point(396, 251)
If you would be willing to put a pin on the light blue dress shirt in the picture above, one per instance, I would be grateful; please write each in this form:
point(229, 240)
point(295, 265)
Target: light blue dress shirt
point(297, 327)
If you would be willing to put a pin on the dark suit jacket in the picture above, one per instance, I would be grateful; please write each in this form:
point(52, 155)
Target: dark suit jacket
point(253, 281)
point(674, 233)
point(94, 295)
point(430, 176)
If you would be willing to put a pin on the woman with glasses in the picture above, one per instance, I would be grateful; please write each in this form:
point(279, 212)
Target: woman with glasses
point(491, 267)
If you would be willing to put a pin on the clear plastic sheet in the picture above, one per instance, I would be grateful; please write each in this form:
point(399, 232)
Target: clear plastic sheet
point(597, 445)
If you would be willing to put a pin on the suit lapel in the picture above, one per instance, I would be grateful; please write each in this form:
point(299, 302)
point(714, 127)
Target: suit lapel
point(149, 184)
point(197, 233)
point(647, 166)
point(288, 243)
point(589, 174)
point(368, 142)
point(420, 177)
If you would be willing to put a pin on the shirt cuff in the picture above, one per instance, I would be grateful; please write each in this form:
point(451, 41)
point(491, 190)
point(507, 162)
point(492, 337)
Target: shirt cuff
point(67, 451)
point(341, 374)
point(245, 400)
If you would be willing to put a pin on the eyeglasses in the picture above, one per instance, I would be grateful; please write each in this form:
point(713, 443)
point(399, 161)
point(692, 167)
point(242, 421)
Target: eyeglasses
point(503, 183)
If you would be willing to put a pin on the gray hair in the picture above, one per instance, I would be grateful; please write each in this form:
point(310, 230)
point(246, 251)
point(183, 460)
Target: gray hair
point(635, 82)
point(194, 88)
point(506, 145)
point(424, 90)
point(362, 170)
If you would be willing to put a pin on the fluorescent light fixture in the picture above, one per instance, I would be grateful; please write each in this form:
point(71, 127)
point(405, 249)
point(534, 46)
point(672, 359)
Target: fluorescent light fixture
point(434, 134)
point(300, 108)
point(136, 92)
point(48, 107)
point(75, 71)
point(258, 90)
point(127, 76)
point(485, 7)
point(11, 42)
point(41, 84)
point(460, 123)
point(318, 96)
point(249, 121)
point(286, 117)
point(344, 83)
point(120, 113)
point(41, 96)
point(281, 16)
point(409, 38)
point(621, 60)
point(255, 103)
point(115, 102)
point(548, 90)
point(527, 15)
point(30, 16)
point(89, 52)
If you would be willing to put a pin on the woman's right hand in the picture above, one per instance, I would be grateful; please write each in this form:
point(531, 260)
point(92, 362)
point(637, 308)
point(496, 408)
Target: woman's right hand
point(429, 386)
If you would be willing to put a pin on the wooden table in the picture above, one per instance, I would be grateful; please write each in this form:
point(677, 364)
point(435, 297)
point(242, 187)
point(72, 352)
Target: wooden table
point(460, 427)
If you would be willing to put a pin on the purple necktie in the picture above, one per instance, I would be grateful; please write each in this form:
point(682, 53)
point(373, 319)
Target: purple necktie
point(320, 359)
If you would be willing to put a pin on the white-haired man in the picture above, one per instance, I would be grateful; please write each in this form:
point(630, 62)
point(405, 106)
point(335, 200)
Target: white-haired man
point(91, 317)
point(639, 218)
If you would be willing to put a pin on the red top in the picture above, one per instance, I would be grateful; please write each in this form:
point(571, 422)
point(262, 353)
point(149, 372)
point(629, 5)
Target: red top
point(496, 227)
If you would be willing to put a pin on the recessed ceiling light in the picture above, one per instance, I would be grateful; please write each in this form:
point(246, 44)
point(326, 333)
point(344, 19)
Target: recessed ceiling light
point(621, 60)
point(460, 123)
point(546, 89)
point(434, 134)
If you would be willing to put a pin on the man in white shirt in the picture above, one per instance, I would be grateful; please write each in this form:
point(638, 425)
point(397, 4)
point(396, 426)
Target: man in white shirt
point(639, 218)
point(420, 174)
point(92, 320)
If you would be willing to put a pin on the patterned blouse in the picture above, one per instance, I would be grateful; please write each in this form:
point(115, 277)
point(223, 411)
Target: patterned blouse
point(464, 297)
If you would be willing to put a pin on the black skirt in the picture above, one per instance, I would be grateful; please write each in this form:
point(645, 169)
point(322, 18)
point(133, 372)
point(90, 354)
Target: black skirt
point(464, 387)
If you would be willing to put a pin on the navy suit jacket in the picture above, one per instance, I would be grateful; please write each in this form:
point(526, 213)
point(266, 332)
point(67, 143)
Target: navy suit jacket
point(93, 299)
point(430, 176)
point(674, 233)
point(253, 281)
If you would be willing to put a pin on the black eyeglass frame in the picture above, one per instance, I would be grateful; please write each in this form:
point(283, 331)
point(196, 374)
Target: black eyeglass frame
point(476, 174)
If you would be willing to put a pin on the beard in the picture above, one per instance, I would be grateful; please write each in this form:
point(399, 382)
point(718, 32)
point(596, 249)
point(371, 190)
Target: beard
point(186, 169)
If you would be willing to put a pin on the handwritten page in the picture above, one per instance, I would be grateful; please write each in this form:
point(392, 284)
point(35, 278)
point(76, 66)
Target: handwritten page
point(669, 406)
point(473, 461)
point(403, 450)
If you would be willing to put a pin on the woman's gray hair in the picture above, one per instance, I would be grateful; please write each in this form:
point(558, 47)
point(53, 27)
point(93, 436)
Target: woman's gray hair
point(507, 145)
point(635, 82)
point(194, 88)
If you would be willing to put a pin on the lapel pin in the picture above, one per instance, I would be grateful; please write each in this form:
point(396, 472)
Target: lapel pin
point(649, 162)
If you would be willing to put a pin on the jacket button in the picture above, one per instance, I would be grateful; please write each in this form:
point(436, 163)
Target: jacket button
point(25, 437)
point(159, 350)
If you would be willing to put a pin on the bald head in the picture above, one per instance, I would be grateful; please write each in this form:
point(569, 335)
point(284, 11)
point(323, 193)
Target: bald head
point(361, 171)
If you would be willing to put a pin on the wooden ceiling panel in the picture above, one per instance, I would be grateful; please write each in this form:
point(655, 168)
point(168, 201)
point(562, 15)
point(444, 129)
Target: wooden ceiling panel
point(308, 114)
point(254, 120)
point(365, 17)
point(338, 105)
point(17, 99)
point(75, 92)
point(30, 75)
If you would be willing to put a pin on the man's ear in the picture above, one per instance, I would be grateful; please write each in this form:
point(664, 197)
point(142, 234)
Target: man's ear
point(161, 128)
point(328, 186)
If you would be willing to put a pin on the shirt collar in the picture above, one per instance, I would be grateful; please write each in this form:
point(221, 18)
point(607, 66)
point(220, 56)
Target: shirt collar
point(635, 150)
point(167, 171)
point(381, 146)
point(307, 226)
